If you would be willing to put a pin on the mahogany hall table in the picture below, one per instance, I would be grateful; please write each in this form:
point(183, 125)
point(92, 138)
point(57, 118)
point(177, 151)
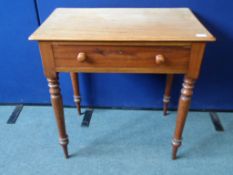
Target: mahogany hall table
point(123, 40)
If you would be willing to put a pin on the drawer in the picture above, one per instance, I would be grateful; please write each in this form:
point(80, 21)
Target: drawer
point(93, 58)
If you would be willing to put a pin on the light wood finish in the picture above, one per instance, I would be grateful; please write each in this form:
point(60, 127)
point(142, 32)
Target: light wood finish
point(170, 41)
point(56, 100)
point(46, 53)
point(75, 85)
point(167, 93)
point(122, 24)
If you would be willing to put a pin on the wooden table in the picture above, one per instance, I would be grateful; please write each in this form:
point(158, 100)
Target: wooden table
point(136, 40)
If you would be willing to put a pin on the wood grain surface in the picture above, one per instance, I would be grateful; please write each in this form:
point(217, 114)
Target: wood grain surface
point(122, 24)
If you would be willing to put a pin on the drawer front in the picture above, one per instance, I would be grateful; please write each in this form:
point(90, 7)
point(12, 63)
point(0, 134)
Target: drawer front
point(91, 58)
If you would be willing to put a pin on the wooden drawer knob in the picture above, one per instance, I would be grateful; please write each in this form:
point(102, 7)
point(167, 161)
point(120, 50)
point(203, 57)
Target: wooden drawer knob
point(159, 59)
point(81, 57)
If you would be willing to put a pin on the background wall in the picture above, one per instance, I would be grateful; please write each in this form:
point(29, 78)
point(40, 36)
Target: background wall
point(21, 77)
point(22, 81)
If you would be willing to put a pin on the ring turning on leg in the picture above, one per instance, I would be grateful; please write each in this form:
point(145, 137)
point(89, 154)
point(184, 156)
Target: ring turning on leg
point(175, 145)
point(77, 99)
point(166, 101)
point(63, 142)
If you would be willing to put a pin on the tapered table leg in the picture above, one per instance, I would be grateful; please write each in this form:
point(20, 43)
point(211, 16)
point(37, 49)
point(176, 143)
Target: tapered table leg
point(167, 93)
point(184, 103)
point(75, 85)
point(57, 104)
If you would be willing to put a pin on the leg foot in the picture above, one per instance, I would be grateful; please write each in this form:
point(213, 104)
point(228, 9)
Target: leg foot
point(65, 150)
point(64, 142)
point(175, 145)
point(77, 102)
point(75, 85)
point(166, 98)
point(174, 151)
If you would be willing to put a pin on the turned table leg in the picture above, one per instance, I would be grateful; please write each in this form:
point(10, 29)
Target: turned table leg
point(167, 93)
point(184, 103)
point(75, 85)
point(57, 104)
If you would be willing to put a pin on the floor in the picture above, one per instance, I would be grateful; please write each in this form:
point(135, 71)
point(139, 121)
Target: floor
point(117, 142)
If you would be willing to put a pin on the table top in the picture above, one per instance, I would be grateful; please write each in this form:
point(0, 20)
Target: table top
point(122, 24)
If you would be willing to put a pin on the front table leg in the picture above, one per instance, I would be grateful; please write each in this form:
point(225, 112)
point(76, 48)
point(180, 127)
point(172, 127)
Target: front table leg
point(57, 104)
point(183, 108)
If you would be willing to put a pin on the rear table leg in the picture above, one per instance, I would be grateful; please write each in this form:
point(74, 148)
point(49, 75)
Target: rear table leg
point(167, 93)
point(75, 85)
